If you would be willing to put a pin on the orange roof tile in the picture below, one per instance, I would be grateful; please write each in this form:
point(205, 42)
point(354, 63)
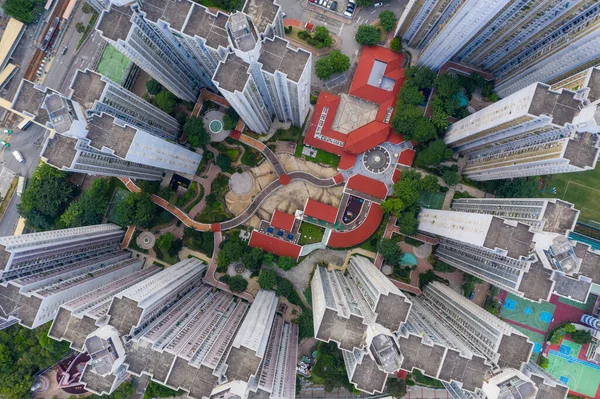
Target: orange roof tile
point(282, 220)
point(406, 157)
point(347, 161)
point(359, 234)
point(321, 211)
point(367, 137)
point(368, 186)
point(274, 245)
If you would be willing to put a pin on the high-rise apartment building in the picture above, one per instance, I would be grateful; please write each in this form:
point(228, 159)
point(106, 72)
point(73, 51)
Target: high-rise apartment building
point(104, 135)
point(531, 132)
point(185, 47)
point(441, 333)
point(515, 255)
point(42, 271)
point(519, 41)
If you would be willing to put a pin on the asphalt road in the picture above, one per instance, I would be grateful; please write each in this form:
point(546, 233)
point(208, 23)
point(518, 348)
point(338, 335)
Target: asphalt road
point(29, 144)
point(345, 28)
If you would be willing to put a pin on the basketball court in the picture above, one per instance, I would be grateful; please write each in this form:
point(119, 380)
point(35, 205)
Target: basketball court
point(580, 376)
point(113, 64)
point(531, 314)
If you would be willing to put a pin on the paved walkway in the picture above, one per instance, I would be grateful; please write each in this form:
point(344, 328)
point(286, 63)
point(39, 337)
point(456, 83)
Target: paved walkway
point(206, 182)
point(127, 238)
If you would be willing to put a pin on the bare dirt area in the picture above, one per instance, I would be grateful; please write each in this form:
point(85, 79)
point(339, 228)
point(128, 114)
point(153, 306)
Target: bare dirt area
point(293, 164)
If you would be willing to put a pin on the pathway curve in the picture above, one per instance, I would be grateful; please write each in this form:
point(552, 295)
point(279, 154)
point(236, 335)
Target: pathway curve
point(206, 182)
point(266, 151)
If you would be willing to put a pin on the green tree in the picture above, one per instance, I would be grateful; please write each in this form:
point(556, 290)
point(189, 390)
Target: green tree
point(89, 209)
point(426, 278)
point(440, 119)
point(267, 279)
point(79, 27)
point(544, 362)
point(581, 337)
point(330, 367)
point(23, 10)
point(237, 283)
point(364, 3)
point(367, 35)
point(447, 85)
point(253, 259)
point(429, 184)
point(306, 327)
point(450, 177)
point(424, 130)
point(230, 119)
point(165, 241)
point(407, 189)
point(202, 241)
point(156, 390)
point(408, 224)
point(136, 209)
point(387, 20)
point(410, 94)
point(422, 76)
point(147, 186)
point(268, 258)
point(334, 62)
point(231, 251)
point(45, 197)
point(86, 9)
point(321, 34)
point(396, 44)
point(196, 133)
point(526, 187)
point(286, 262)
point(396, 388)
point(153, 87)
point(285, 288)
point(223, 162)
point(436, 152)
point(166, 101)
point(393, 205)
point(390, 251)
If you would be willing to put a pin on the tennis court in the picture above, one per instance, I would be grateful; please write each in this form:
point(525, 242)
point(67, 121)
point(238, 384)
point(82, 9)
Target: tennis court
point(536, 338)
point(113, 64)
point(531, 314)
point(580, 376)
point(117, 198)
point(431, 200)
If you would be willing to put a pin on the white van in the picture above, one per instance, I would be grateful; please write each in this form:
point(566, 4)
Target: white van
point(18, 156)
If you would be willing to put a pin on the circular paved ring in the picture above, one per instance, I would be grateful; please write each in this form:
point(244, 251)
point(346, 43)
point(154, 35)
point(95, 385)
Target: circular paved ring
point(377, 159)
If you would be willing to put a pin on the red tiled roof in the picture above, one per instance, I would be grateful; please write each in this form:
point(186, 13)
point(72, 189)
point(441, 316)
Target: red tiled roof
point(347, 161)
point(406, 157)
point(361, 88)
point(359, 234)
point(338, 178)
point(321, 211)
point(274, 245)
point(282, 220)
point(368, 186)
point(395, 138)
point(396, 176)
point(367, 137)
point(331, 101)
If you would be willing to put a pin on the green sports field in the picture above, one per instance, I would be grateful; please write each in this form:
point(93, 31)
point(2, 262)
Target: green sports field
point(581, 189)
point(580, 376)
point(531, 314)
point(113, 64)
point(431, 200)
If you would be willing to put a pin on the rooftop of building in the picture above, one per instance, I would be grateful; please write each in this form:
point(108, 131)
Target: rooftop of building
point(282, 220)
point(57, 108)
point(594, 85)
point(87, 87)
point(240, 28)
point(116, 23)
point(242, 363)
point(368, 377)
point(172, 11)
point(470, 372)
point(232, 74)
point(516, 240)
point(590, 266)
point(60, 151)
point(96, 382)
point(366, 185)
point(29, 99)
point(561, 106)
point(514, 350)
point(8, 42)
point(353, 113)
point(559, 217)
point(536, 284)
point(574, 289)
point(549, 392)
point(262, 12)
point(199, 381)
point(275, 55)
point(320, 211)
point(104, 133)
point(349, 333)
point(274, 245)
point(582, 150)
point(209, 26)
point(346, 239)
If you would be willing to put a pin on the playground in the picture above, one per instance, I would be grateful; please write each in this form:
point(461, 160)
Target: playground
point(537, 316)
point(431, 200)
point(580, 376)
point(113, 64)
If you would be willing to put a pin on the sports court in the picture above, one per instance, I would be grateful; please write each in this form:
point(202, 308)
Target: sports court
point(113, 64)
point(536, 338)
point(531, 314)
point(431, 200)
point(580, 376)
point(586, 307)
point(581, 190)
point(117, 198)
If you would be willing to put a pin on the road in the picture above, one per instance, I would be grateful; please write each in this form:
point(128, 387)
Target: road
point(343, 27)
point(29, 143)
point(64, 66)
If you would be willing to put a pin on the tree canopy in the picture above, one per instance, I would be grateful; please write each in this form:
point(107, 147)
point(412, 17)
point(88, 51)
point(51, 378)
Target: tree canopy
point(165, 242)
point(223, 162)
point(435, 153)
point(286, 263)
point(387, 20)
point(525, 187)
point(237, 283)
point(330, 367)
point(429, 184)
point(396, 44)
point(202, 241)
point(390, 251)
point(156, 390)
point(252, 259)
point(367, 35)
point(196, 133)
point(450, 177)
point(153, 87)
point(166, 101)
point(89, 209)
point(137, 209)
point(406, 191)
point(230, 119)
point(22, 10)
point(334, 62)
point(267, 279)
point(421, 76)
point(320, 38)
point(45, 197)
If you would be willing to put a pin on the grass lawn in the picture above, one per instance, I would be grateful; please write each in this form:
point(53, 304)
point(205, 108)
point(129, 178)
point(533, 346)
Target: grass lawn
point(581, 189)
point(310, 234)
point(294, 133)
point(322, 157)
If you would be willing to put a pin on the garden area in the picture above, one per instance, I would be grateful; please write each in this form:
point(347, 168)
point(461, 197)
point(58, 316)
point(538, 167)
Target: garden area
point(320, 38)
point(216, 210)
point(310, 234)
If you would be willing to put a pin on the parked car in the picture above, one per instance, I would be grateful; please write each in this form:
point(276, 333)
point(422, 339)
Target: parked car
point(7, 131)
point(63, 50)
point(348, 12)
point(380, 4)
point(4, 143)
point(351, 6)
point(333, 5)
point(18, 156)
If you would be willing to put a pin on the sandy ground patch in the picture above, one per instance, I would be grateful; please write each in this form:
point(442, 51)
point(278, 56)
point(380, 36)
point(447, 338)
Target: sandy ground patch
point(293, 164)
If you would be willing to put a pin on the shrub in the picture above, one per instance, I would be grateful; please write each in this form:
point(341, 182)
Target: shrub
point(287, 30)
point(237, 283)
point(387, 20)
point(153, 87)
point(267, 279)
point(396, 44)
point(367, 35)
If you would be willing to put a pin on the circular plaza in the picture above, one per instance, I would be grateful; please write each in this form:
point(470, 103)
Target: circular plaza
point(377, 159)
